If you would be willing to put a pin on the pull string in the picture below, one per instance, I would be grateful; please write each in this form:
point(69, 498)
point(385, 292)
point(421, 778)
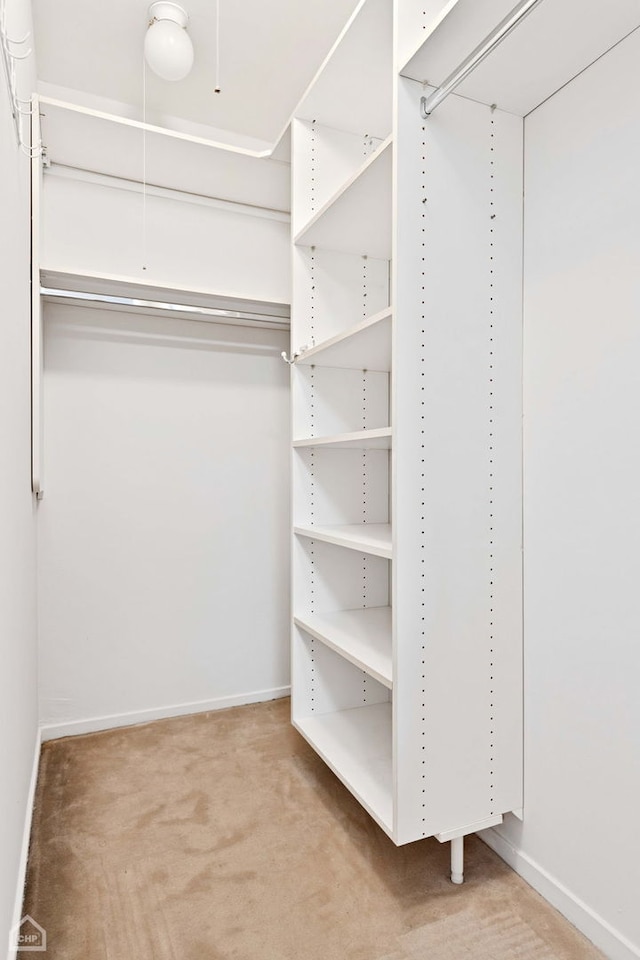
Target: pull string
point(217, 86)
point(144, 163)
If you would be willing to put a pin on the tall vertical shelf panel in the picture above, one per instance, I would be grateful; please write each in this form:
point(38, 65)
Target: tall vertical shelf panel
point(406, 395)
point(457, 583)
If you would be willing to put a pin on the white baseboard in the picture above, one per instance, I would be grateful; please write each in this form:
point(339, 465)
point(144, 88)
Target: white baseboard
point(612, 943)
point(74, 728)
point(24, 850)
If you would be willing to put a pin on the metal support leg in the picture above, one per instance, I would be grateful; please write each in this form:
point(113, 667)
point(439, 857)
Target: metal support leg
point(457, 860)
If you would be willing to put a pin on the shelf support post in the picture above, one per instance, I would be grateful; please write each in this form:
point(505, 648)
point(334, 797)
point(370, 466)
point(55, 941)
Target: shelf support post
point(457, 860)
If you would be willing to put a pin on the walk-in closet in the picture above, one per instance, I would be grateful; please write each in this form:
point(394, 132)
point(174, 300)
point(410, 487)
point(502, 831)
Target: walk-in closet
point(318, 485)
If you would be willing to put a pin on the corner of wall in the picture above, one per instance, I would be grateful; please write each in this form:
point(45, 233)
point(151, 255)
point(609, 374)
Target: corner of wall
point(612, 943)
point(24, 849)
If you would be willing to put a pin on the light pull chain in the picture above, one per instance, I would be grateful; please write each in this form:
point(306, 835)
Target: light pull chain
point(217, 86)
point(144, 164)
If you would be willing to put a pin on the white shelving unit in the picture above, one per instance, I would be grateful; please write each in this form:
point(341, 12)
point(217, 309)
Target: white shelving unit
point(342, 642)
point(406, 392)
point(343, 652)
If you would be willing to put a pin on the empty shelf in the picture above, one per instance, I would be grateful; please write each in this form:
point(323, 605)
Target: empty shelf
point(361, 636)
point(372, 538)
point(379, 439)
point(367, 346)
point(356, 745)
point(357, 219)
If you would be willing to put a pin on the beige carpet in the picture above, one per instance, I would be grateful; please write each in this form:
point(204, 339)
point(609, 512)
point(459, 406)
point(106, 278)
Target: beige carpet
point(223, 837)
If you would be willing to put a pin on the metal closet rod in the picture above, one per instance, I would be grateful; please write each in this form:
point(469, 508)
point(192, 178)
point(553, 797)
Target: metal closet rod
point(197, 313)
point(488, 45)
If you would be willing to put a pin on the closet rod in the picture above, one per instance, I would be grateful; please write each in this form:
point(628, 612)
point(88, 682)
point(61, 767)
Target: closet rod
point(488, 45)
point(209, 314)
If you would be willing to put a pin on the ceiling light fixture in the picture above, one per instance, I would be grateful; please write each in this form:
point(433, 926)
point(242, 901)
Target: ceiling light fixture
point(167, 46)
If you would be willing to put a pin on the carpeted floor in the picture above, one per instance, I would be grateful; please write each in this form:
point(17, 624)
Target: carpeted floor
point(222, 836)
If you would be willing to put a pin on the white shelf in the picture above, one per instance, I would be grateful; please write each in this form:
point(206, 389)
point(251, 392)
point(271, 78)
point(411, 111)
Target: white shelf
point(367, 346)
point(353, 88)
point(346, 656)
point(356, 745)
point(76, 136)
point(111, 284)
point(357, 219)
point(372, 538)
point(379, 439)
point(361, 636)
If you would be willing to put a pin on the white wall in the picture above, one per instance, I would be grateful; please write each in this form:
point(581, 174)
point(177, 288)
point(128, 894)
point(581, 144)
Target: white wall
point(163, 573)
point(163, 543)
point(18, 668)
point(580, 840)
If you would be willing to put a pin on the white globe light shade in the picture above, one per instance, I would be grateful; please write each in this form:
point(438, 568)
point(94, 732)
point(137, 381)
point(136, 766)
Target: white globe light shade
point(168, 49)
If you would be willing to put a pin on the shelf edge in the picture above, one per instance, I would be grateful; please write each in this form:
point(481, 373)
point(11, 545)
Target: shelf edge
point(298, 239)
point(386, 681)
point(315, 533)
point(386, 827)
point(378, 433)
point(367, 324)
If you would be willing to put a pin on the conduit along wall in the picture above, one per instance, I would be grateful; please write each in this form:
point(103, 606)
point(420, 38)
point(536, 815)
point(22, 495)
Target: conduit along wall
point(162, 573)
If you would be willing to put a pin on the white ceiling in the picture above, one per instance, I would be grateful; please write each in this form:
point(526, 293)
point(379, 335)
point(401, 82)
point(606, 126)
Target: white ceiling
point(270, 50)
